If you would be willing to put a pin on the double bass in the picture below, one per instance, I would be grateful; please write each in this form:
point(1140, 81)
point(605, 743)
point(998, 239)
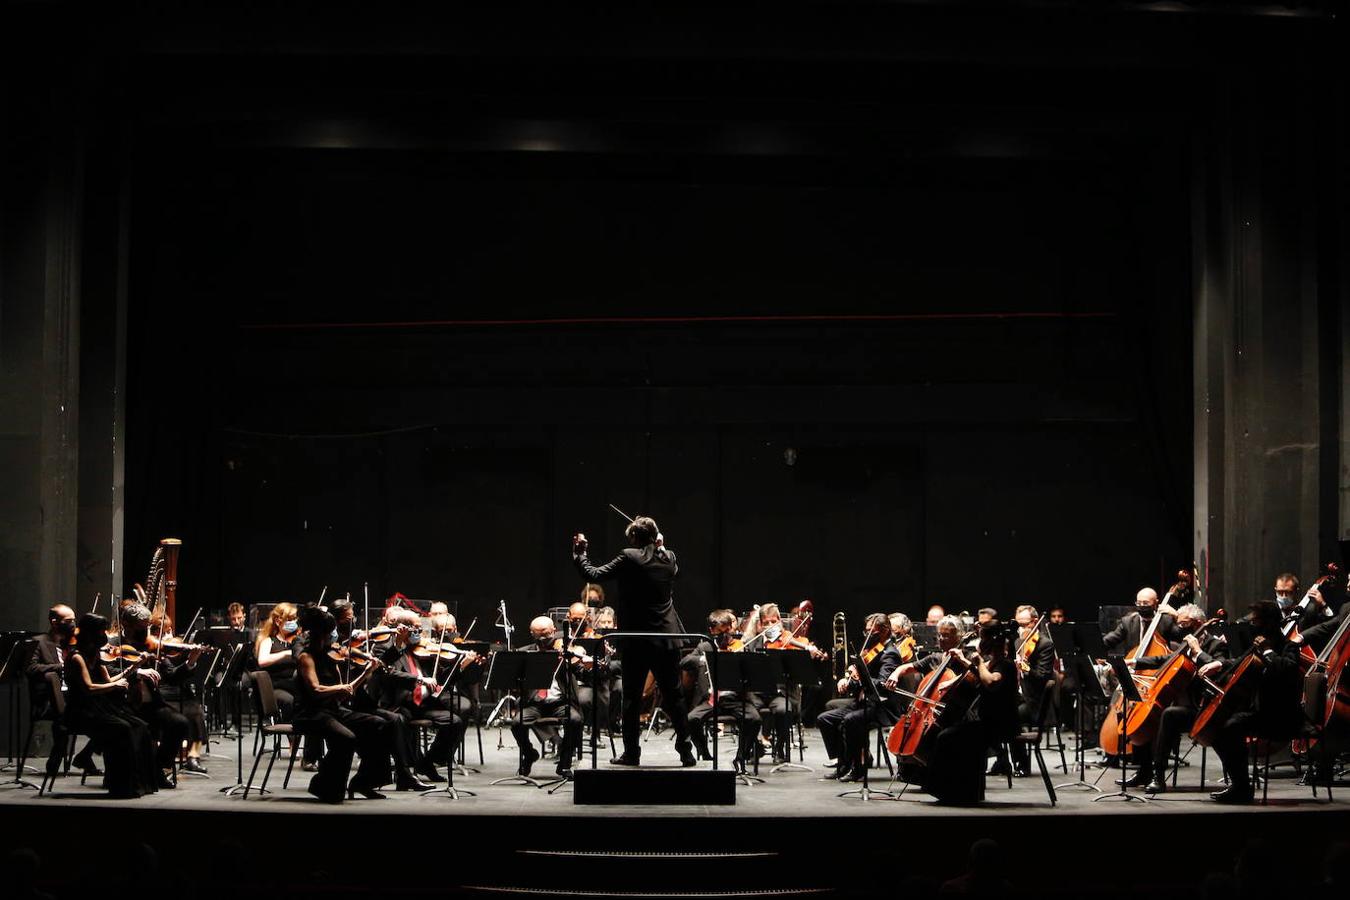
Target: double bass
point(1111, 738)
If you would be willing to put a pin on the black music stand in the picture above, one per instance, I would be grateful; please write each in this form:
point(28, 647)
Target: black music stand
point(1078, 644)
point(871, 698)
point(740, 673)
point(484, 651)
point(14, 647)
point(1131, 695)
point(522, 671)
point(797, 671)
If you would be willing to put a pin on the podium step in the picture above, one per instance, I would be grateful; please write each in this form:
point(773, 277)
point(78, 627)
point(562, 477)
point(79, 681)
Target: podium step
point(655, 787)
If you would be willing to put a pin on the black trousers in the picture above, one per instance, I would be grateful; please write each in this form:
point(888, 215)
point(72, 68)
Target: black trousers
point(448, 729)
point(1231, 742)
point(128, 749)
point(748, 719)
point(1176, 720)
point(345, 733)
point(640, 657)
point(170, 728)
point(843, 730)
point(533, 710)
point(955, 770)
point(776, 712)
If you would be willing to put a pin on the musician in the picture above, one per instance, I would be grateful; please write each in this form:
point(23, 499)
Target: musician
point(901, 627)
point(986, 616)
point(274, 653)
point(408, 692)
point(170, 727)
point(234, 613)
point(844, 729)
point(1001, 708)
point(182, 693)
point(593, 596)
point(646, 573)
point(96, 706)
point(1317, 636)
point(746, 708)
point(605, 619)
point(468, 678)
point(1131, 627)
point(579, 623)
point(1178, 718)
point(1035, 660)
point(550, 702)
point(935, 614)
point(1057, 615)
point(47, 656)
point(322, 709)
point(1287, 595)
point(1275, 713)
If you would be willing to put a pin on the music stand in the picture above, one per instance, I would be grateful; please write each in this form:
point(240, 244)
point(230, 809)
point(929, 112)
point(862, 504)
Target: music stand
point(484, 651)
point(1131, 695)
point(797, 671)
point(522, 671)
point(871, 698)
point(11, 672)
point(741, 673)
point(1078, 644)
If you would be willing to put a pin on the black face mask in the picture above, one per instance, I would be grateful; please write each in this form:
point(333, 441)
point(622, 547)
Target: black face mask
point(1145, 612)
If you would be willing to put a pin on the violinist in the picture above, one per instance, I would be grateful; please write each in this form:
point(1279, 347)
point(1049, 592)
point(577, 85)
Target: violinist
point(768, 620)
point(1176, 720)
point(1274, 714)
point(550, 702)
point(646, 573)
point(902, 636)
point(1131, 627)
point(935, 614)
point(579, 623)
point(1035, 661)
point(96, 706)
point(843, 729)
point(170, 727)
point(469, 675)
point(408, 692)
point(235, 615)
point(182, 692)
point(47, 656)
point(274, 653)
point(324, 689)
point(721, 624)
point(985, 617)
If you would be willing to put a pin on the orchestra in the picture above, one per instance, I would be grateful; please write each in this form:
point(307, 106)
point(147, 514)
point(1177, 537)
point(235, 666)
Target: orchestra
point(947, 700)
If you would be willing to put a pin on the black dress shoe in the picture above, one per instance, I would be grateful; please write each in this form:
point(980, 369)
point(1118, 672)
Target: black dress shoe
point(625, 760)
point(1155, 787)
point(857, 773)
point(428, 772)
point(836, 774)
point(564, 771)
point(166, 782)
point(1234, 794)
point(413, 783)
point(998, 769)
point(687, 758)
point(366, 791)
point(530, 758)
point(194, 766)
point(1021, 772)
point(1138, 779)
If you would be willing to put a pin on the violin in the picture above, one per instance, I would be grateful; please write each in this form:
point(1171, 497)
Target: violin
point(875, 649)
point(345, 654)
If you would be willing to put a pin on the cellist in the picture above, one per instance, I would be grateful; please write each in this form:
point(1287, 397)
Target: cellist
point(1274, 713)
point(1208, 654)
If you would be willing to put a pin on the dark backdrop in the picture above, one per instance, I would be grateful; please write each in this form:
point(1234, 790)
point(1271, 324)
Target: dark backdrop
point(412, 322)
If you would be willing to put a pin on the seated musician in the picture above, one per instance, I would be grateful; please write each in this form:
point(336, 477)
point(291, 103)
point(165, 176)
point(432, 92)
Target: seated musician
point(1288, 596)
point(397, 626)
point(234, 613)
point(580, 623)
point(1036, 663)
point(1131, 627)
point(844, 729)
point(466, 682)
point(96, 705)
point(1177, 719)
point(1275, 713)
point(169, 726)
point(935, 614)
point(901, 628)
point(182, 694)
point(47, 656)
point(274, 653)
point(409, 690)
point(985, 617)
point(550, 702)
point(324, 689)
point(746, 708)
point(768, 620)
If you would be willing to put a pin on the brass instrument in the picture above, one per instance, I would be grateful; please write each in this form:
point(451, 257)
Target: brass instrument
point(839, 652)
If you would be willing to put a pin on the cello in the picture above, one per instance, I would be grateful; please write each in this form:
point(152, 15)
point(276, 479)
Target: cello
point(1234, 695)
point(1111, 738)
point(1171, 680)
point(947, 689)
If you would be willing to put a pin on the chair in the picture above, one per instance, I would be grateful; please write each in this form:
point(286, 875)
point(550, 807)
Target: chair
point(1031, 739)
point(1054, 696)
point(535, 726)
point(710, 725)
point(59, 708)
point(270, 727)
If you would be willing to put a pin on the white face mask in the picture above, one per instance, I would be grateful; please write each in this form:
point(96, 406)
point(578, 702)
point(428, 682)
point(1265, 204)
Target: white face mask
point(291, 627)
point(773, 632)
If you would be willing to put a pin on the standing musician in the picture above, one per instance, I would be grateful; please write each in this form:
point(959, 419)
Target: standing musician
point(322, 709)
point(408, 691)
point(844, 729)
point(47, 656)
point(550, 702)
point(1177, 719)
point(1131, 627)
point(170, 727)
point(646, 573)
point(721, 624)
point(1275, 713)
point(96, 706)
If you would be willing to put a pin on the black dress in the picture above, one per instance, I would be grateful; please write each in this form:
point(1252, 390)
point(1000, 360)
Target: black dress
point(127, 744)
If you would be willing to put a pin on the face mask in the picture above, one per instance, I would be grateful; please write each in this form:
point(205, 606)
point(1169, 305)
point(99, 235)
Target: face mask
point(1145, 612)
point(773, 632)
point(414, 639)
point(334, 636)
point(291, 627)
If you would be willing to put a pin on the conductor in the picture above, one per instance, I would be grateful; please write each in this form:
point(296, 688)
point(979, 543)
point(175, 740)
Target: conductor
point(646, 575)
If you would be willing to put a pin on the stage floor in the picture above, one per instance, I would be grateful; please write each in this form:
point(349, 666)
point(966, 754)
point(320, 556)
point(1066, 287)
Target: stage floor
point(791, 836)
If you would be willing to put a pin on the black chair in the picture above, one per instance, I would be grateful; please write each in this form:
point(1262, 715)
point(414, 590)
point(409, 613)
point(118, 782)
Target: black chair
point(270, 727)
point(1031, 739)
point(68, 752)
